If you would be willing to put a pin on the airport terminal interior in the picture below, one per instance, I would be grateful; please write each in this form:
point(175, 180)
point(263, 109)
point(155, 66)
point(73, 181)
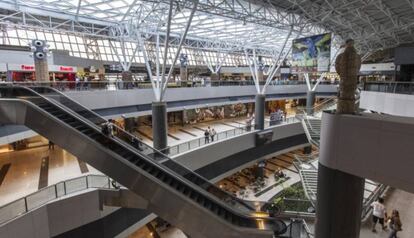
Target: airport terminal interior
point(206, 118)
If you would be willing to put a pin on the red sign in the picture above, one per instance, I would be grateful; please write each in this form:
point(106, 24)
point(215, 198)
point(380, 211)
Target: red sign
point(67, 69)
point(27, 67)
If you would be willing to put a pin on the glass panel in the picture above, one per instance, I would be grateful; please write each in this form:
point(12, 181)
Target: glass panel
point(194, 144)
point(221, 135)
point(41, 197)
point(98, 181)
point(12, 210)
point(60, 189)
point(230, 133)
point(183, 147)
point(173, 150)
point(75, 185)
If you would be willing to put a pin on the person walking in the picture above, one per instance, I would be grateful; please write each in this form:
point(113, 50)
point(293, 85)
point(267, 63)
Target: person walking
point(213, 134)
point(108, 128)
point(379, 214)
point(395, 224)
point(206, 136)
point(51, 145)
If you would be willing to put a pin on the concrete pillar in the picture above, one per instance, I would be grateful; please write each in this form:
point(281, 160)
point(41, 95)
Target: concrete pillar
point(310, 102)
point(339, 204)
point(159, 125)
point(40, 50)
point(183, 73)
point(340, 195)
point(215, 77)
point(259, 113)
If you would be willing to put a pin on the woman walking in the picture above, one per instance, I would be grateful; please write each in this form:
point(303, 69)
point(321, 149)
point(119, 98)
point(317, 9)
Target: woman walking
point(395, 224)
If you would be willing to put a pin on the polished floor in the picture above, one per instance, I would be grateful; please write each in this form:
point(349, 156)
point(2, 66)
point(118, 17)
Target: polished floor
point(180, 134)
point(29, 170)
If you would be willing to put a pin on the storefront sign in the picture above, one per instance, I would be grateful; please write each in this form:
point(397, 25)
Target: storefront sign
point(20, 67)
point(27, 67)
point(31, 68)
point(62, 68)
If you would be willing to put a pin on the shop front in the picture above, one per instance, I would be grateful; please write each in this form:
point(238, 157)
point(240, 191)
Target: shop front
point(25, 72)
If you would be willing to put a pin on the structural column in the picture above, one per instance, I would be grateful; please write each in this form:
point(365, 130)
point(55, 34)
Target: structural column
point(310, 102)
point(183, 67)
point(259, 112)
point(339, 204)
point(340, 195)
point(183, 73)
point(40, 50)
point(159, 125)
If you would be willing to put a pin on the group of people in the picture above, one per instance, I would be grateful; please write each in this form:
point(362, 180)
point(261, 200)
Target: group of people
point(379, 215)
point(209, 133)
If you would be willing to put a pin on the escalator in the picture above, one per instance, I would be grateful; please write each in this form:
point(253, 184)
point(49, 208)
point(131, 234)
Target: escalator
point(143, 148)
point(184, 199)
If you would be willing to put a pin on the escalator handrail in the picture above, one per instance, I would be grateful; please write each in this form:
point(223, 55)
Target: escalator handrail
point(171, 173)
point(211, 185)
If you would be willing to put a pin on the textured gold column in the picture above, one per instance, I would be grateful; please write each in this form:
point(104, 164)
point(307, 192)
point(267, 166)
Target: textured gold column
point(347, 65)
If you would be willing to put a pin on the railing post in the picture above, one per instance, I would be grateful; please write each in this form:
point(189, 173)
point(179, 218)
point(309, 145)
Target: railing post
point(25, 204)
point(64, 187)
point(56, 193)
point(87, 182)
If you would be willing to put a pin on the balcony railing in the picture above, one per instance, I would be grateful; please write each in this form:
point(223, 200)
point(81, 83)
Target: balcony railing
point(390, 87)
point(201, 141)
point(50, 193)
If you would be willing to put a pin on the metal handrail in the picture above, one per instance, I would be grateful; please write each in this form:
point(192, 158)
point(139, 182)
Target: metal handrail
point(48, 194)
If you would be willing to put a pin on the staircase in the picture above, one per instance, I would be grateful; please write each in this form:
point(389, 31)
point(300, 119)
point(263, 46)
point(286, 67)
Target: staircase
point(312, 127)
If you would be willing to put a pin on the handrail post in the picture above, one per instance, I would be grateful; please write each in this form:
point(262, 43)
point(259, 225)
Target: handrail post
point(25, 204)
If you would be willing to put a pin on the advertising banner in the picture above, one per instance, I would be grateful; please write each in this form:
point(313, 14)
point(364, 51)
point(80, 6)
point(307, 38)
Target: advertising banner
point(311, 54)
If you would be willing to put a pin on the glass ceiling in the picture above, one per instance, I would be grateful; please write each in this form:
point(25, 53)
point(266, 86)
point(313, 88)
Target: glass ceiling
point(152, 16)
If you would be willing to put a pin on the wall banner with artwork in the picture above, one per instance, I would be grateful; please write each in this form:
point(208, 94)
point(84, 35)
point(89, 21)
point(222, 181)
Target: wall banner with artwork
point(311, 54)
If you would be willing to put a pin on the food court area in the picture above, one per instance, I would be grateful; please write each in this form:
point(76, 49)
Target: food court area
point(263, 180)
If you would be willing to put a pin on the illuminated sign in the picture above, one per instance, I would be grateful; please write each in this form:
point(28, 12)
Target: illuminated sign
point(27, 67)
point(66, 69)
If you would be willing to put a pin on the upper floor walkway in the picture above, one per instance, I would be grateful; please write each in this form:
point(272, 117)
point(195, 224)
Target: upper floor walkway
point(114, 99)
point(394, 98)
